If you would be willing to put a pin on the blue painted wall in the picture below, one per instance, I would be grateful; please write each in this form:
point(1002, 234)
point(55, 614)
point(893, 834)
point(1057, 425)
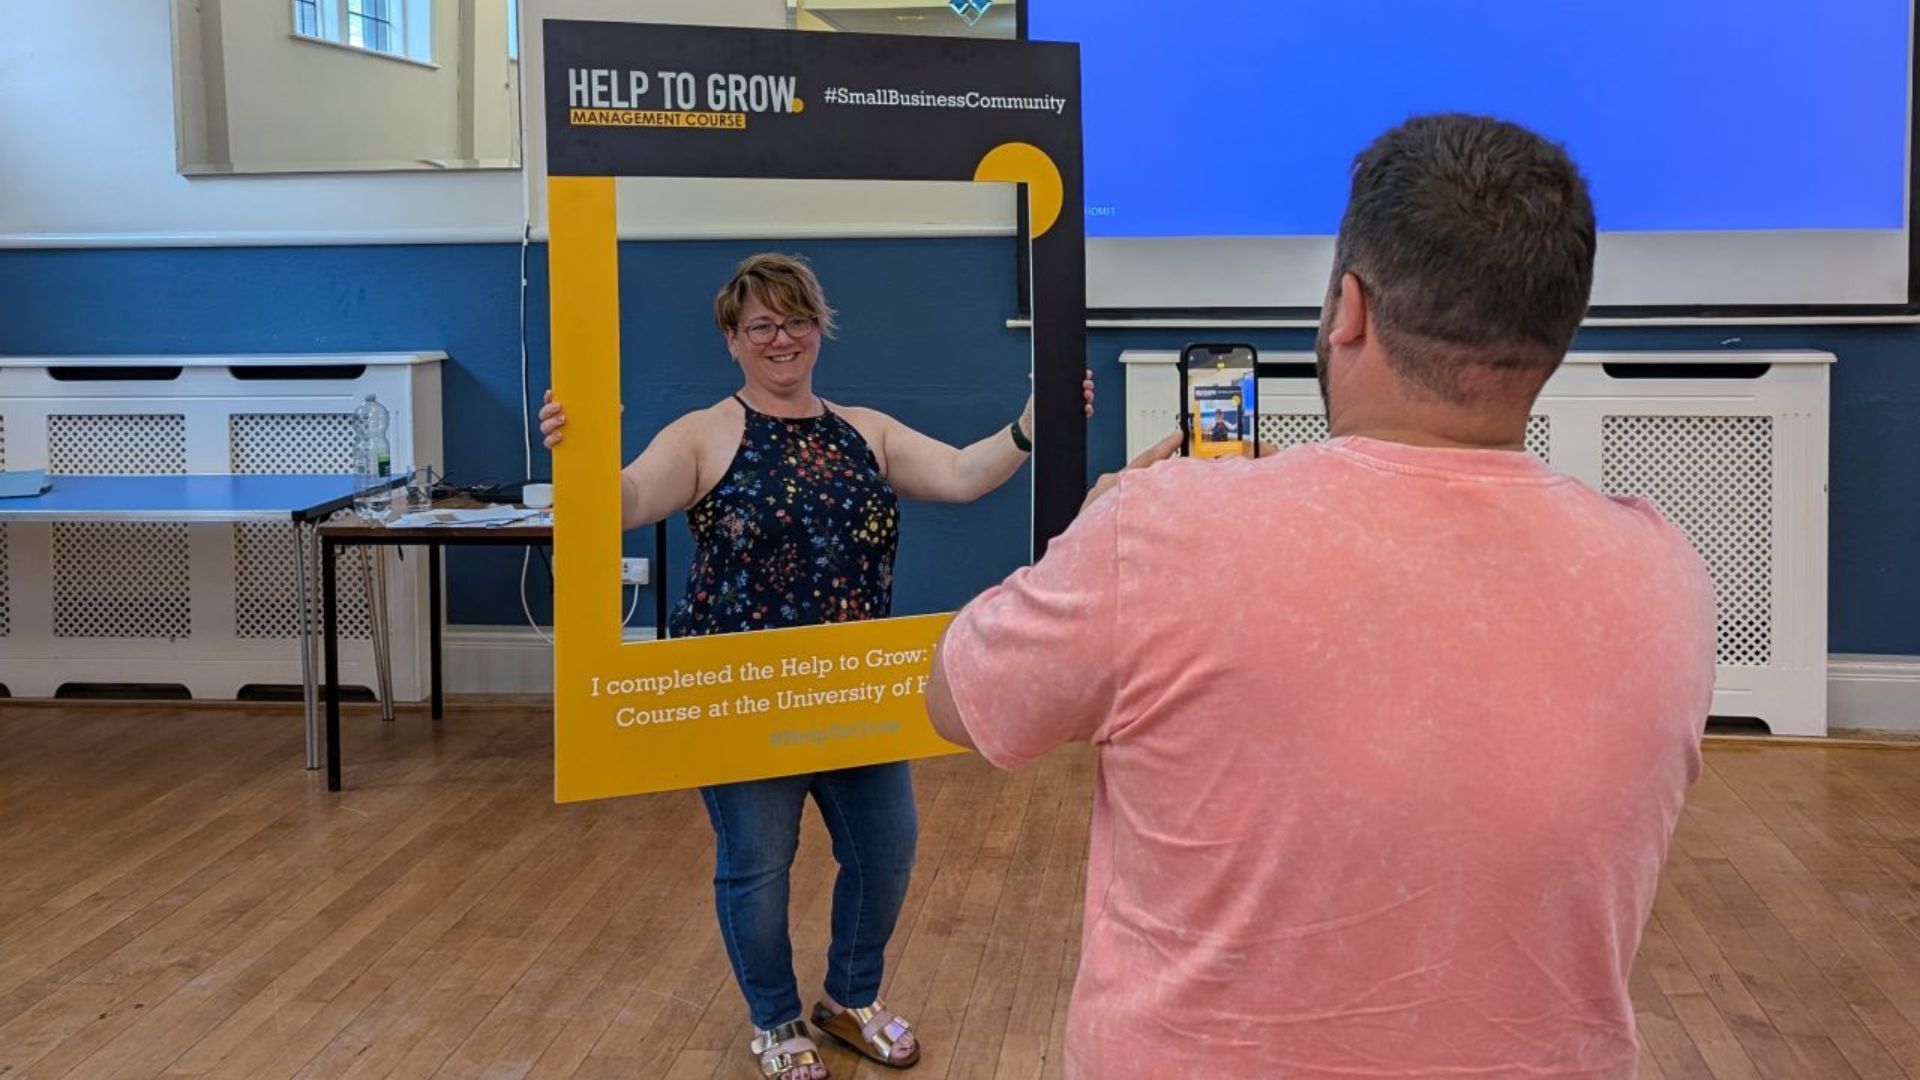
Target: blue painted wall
point(922, 337)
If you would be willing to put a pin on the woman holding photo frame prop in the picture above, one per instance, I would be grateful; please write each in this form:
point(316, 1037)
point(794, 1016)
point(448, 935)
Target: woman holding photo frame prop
point(711, 102)
point(793, 505)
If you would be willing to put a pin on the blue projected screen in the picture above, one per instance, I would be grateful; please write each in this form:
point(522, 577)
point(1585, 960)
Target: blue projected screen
point(1240, 118)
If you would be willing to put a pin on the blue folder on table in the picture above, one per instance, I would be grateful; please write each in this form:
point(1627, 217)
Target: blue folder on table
point(23, 483)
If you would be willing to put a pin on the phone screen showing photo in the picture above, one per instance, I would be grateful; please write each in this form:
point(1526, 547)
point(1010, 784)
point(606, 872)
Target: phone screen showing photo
point(1221, 406)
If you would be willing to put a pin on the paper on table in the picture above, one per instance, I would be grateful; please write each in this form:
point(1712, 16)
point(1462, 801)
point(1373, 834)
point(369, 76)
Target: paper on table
point(18, 483)
point(487, 516)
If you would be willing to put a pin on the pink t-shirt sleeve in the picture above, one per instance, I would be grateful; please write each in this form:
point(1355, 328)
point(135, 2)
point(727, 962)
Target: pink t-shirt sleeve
point(1031, 661)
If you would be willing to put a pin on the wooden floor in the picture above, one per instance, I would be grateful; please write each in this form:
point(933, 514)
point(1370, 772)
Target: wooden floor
point(178, 898)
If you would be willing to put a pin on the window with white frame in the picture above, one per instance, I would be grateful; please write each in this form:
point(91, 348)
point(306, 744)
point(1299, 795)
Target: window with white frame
point(371, 24)
point(401, 28)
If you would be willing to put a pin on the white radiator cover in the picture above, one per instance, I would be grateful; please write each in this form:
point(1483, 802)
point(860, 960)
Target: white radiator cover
point(1738, 463)
point(210, 607)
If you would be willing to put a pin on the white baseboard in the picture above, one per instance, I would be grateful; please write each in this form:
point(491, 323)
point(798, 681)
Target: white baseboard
point(503, 659)
point(1870, 692)
point(1873, 692)
point(495, 660)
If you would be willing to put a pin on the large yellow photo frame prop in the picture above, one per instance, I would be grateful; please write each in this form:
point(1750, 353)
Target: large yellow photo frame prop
point(666, 714)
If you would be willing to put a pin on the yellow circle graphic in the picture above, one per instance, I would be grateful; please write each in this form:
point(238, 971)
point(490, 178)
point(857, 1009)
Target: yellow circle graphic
point(1024, 163)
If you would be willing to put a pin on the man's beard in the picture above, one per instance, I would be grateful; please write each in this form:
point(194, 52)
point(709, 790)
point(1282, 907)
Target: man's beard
point(1320, 352)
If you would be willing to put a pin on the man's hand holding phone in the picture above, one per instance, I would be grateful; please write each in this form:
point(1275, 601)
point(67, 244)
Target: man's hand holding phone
point(1160, 451)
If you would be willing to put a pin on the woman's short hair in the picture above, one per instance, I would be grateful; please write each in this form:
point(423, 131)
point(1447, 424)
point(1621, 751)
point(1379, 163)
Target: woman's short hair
point(784, 283)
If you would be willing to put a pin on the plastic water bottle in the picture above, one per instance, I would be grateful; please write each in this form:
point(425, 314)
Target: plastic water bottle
point(372, 462)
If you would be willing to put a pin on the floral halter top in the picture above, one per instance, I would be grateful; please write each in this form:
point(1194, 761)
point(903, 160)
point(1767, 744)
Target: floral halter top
point(801, 530)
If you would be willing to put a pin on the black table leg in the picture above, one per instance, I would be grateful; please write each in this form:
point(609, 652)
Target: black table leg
point(330, 631)
point(433, 623)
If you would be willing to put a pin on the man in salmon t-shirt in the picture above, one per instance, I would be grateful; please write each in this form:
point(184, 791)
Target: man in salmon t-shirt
point(1406, 818)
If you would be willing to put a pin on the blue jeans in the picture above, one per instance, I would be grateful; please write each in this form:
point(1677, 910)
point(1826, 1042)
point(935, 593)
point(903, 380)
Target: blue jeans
point(870, 814)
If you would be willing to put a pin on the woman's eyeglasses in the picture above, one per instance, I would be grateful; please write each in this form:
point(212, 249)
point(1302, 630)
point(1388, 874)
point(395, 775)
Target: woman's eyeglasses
point(763, 331)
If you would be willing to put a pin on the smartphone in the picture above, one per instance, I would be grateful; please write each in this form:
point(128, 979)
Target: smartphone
point(1219, 401)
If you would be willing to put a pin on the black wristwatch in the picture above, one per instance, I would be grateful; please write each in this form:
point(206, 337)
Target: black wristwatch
point(1020, 440)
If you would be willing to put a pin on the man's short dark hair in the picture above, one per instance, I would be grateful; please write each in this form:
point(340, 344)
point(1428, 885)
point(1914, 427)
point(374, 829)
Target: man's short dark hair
point(1474, 240)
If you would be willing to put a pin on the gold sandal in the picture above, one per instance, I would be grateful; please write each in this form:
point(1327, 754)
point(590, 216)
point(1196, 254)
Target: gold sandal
point(777, 1063)
point(872, 1032)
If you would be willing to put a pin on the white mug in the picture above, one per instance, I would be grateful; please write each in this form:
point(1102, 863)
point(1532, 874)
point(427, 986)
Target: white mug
point(537, 496)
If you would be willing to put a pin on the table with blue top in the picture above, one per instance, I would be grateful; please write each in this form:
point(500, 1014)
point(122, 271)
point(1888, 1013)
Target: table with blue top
point(195, 498)
point(201, 499)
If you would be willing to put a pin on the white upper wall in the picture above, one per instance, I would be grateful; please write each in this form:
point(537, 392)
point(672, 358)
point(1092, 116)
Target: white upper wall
point(86, 113)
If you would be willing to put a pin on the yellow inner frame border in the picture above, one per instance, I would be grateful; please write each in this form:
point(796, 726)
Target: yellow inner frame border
point(597, 756)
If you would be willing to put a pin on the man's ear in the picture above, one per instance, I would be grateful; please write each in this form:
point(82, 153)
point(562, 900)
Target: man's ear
point(1349, 325)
